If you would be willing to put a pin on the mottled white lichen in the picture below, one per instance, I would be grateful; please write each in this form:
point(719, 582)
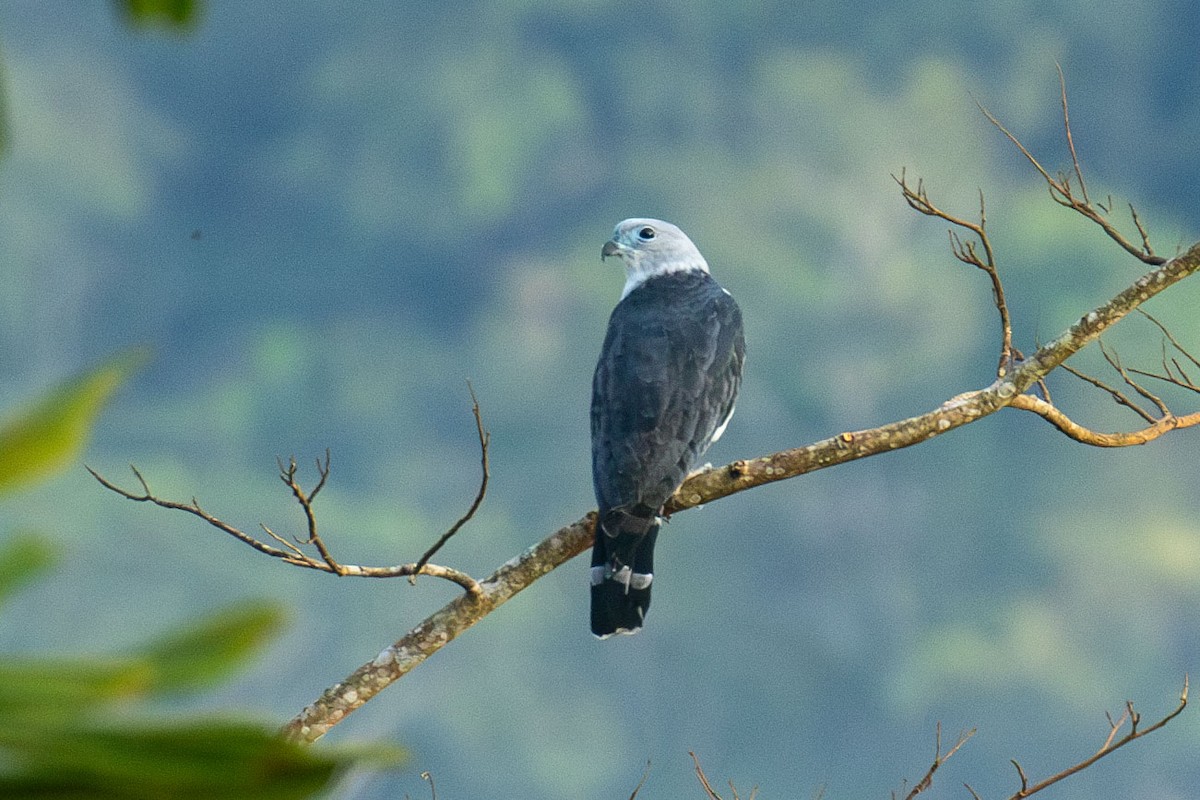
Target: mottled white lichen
point(386, 657)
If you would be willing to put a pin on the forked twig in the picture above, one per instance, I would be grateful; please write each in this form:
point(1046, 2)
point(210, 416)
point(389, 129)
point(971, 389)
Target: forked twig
point(484, 439)
point(291, 552)
point(1064, 194)
point(287, 474)
point(641, 783)
point(938, 760)
point(708, 789)
point(967, 251)
point(1111, 744)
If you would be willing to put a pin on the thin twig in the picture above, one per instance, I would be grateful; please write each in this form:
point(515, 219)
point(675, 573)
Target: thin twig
point(938, 760)
point(1117, 394)
point(289, 552)
point(1062, 193)
point(641, 783)
point(1111, 744)
point(967, 252)
point(1062, 86)
point(1167, 333)
point(484, 439)
point(1114, 361)
point(288, 476)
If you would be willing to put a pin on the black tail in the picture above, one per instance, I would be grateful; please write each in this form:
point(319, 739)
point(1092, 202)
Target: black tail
point(622, 571)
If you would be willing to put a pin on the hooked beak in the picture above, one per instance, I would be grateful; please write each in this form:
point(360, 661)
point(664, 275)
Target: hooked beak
point(611, 248)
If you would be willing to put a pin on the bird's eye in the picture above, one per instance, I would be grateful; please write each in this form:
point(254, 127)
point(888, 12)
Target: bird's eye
point(646, 234)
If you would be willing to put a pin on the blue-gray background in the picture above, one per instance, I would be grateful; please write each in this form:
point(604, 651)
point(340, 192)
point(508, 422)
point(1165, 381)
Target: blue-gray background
point(392, 198)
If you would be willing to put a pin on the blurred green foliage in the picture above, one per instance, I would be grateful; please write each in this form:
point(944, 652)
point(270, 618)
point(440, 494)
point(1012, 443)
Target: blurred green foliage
point(49, 433)
point(171, 14)
point(67, 730)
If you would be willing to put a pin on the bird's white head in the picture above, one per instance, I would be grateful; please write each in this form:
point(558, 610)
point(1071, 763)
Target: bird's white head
point(651, 247)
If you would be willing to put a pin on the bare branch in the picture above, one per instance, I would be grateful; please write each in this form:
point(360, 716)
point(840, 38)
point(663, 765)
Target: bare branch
point(288, 476)
point(1117, 394)
point(1111, 744)
point(1062, 193)
point(484, 439)
point(1058, 419)
point(289, 552)
point(938, 760)
point(968, 253)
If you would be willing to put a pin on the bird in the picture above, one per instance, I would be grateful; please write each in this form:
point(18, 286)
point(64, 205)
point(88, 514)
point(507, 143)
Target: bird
point(663, 391)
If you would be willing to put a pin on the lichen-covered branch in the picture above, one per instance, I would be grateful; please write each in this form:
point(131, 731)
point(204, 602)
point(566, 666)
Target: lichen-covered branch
point(464, 611)
point(439, 629)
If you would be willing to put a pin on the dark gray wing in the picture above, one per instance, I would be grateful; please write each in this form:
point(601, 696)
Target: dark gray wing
point(667, 379)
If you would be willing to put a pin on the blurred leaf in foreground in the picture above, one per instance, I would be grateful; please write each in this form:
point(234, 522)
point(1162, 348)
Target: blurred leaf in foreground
point(195, 759)
point(171, 14)
point(68, 732)
point(208, 650)
point(23, 557)
point(51, 432)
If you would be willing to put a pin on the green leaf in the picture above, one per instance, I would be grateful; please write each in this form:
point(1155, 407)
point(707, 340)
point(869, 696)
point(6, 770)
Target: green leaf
point(40, 691)
point(47, 690)
point(173, 14)
point(50, 433)
point(208, 650)
point(196, 759)
point(23, 557)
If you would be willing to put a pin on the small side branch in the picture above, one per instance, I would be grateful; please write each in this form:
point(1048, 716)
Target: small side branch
point(1157, 415)
point(1110, 745)
point(1075, 197)
point(1079, 433)
point(968, 252)
point(290, 552)
point(484, 439)
point(938, 760)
